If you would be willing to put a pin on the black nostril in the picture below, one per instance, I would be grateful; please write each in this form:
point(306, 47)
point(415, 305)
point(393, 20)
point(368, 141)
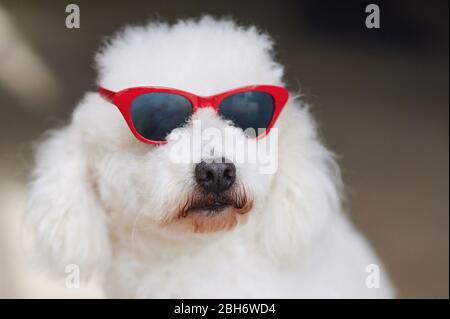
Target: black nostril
point(215, 176)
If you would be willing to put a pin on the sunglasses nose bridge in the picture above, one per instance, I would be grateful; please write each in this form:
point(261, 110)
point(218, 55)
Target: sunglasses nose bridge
point(208, 101)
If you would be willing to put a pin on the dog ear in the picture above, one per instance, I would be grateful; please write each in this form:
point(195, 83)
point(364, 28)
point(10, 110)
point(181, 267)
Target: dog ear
point(69, 222)
point(306, 190)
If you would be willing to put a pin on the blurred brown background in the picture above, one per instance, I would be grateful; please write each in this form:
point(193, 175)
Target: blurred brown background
point(381, 97)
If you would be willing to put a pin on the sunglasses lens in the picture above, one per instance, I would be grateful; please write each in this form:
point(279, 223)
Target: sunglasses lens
point(251, 111)
point(155, 115)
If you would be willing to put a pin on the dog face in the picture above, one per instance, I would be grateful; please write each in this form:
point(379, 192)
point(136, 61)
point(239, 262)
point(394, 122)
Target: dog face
point(202, 180)
point(199, 181)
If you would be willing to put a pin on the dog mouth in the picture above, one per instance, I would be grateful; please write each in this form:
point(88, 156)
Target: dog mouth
point(210, 204)
point(212, 208)
point(211, 212)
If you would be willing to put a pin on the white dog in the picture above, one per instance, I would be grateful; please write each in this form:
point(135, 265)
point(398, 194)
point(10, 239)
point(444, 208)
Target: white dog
point(131, 212)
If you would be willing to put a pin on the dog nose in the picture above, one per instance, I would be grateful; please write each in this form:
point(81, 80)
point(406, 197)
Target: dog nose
point(216, 176)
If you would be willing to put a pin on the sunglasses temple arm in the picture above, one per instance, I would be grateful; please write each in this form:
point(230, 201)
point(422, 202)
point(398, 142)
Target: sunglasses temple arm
point(106, 94)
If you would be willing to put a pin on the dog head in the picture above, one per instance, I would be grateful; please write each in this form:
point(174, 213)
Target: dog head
point(202, 179)
point(94, 173)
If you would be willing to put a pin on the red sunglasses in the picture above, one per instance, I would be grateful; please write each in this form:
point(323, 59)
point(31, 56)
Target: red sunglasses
point(153, 112)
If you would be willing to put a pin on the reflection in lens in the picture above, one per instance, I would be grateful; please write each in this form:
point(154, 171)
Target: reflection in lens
point(155, 115)
point(251, 111)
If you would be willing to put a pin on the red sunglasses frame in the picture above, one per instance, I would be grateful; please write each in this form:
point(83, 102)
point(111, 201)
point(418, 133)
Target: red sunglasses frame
point(124, 98)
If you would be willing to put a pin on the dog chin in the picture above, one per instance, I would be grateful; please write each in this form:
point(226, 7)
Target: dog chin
point(204, 212)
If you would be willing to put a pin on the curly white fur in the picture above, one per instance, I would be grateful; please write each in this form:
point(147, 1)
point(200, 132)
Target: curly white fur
point(99, 197)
